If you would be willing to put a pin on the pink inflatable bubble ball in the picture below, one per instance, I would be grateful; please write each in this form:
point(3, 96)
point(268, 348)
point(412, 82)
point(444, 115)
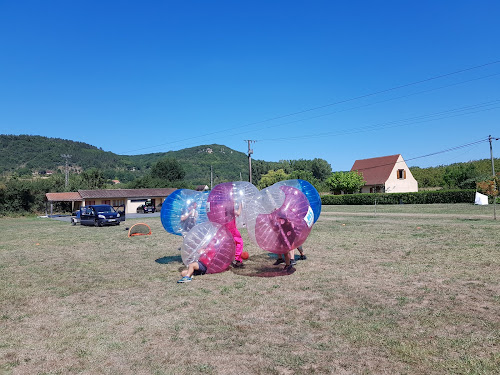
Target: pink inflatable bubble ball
point(210, 243)
point(227, 201)
point(287, 227)
point(220, 204)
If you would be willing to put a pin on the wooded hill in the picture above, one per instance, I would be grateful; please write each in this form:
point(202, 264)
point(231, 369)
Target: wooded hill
point(28, 154)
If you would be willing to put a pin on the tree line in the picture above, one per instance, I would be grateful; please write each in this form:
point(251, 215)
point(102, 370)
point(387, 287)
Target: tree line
point(24, 194)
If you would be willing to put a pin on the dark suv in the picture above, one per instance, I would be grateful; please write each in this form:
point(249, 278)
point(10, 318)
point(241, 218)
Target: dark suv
point(99, 215)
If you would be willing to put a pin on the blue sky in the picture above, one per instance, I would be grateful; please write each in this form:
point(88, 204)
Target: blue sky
point(338, 80)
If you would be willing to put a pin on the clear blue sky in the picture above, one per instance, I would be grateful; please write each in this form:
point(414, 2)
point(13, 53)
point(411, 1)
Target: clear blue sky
point(339, 80)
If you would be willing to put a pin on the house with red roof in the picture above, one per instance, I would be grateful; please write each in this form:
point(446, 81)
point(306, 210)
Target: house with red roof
point(386, 174)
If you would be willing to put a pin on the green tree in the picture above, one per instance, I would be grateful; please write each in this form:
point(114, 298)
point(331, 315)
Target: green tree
point(321, 169)
point(93, 178)
point(348, 182)
point(460, 176)
point(168, 169)
point(259, 168)
point(428, 177)
point(271, 177)
point(307, 176)
point(301, 165)
point(302, 175)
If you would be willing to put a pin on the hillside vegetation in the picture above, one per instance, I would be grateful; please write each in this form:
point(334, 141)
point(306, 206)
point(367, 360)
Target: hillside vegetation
point(25, 155)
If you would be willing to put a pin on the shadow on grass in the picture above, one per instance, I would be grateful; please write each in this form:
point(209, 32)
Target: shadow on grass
point(255, 266)
point(169, 259)
point(262, 266)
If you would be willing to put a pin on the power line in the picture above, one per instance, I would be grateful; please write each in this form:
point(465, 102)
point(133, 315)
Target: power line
point(353, 108)
point(461, 111)
point(371, 104)
point(432, 154)
point(325, 105)
point(450, 149)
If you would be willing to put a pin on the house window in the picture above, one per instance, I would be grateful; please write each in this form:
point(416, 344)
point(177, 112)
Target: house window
point(106, 202)
point(401, 174)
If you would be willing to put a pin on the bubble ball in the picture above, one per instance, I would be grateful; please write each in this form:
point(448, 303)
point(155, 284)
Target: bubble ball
point(210, 243)
point(220, 204)
point(229, 198)
point(243, 194)
point(288, 226)
point(182, 210)
point(265, 202)
point(309, 191)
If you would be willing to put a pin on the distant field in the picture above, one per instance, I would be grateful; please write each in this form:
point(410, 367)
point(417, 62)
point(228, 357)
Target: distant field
point(406, 289)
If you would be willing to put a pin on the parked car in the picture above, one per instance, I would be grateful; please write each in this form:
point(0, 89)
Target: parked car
point(99, 215)
point(75, 217)
point(147, 207)
point(121, 210)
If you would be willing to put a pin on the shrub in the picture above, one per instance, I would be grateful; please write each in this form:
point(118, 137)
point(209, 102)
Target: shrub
point(421, 197)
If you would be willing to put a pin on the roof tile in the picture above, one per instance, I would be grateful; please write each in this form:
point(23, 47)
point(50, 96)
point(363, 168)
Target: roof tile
point(108, 193)
point(376, 171)
point(63, 197)
point(126, 193)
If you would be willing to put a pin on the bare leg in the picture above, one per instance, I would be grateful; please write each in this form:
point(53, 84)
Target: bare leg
point(190, 270)
point(287, 259)
point(279, 260)
point(301, 251)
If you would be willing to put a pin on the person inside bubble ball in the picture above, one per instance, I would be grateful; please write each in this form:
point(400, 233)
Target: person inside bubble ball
point(238, 241)
point(198, 267)
point(292, 257)
point(287, 238)
point(188, 218)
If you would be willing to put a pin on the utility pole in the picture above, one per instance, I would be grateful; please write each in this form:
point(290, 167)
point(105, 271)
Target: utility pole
point(211, 177)
point(490, 138)
point(250, 152)
point(66, 180)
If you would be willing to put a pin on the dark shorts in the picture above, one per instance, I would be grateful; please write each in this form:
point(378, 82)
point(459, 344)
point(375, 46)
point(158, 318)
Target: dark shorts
point(202, 270)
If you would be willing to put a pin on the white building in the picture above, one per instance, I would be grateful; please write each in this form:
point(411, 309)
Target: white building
point(386, 174)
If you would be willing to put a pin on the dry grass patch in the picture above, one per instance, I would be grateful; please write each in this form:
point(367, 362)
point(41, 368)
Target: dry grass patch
point(396, 292)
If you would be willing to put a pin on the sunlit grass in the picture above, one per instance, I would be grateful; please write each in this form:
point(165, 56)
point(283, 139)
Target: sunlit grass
point(414, 291)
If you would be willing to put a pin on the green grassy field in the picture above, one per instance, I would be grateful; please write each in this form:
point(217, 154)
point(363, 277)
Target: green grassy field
point(397, 290)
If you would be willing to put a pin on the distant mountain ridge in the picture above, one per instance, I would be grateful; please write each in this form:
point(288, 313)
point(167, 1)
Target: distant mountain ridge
point(27, 154)
point(33, 153)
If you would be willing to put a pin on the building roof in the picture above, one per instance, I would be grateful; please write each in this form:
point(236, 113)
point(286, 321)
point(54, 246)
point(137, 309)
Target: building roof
point(63, 197)
point(108, 193)
point(126, 193)
point(376, 171)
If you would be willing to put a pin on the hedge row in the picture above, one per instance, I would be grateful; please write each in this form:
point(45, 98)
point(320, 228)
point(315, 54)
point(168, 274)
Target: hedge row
point(421, 197)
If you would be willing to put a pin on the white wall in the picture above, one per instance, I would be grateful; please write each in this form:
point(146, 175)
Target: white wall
point(396, 185)
point(132, 204)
